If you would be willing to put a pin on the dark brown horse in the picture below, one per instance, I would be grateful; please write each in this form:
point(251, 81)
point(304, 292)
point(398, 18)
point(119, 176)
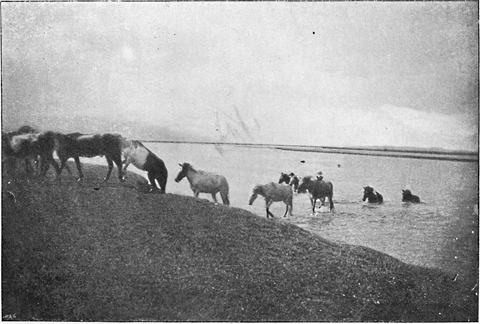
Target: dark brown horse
point(408, 197)
point(317, 189)
point(76, 145)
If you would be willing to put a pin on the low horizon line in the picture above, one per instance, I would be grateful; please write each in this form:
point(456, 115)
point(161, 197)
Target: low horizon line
point(379, 148)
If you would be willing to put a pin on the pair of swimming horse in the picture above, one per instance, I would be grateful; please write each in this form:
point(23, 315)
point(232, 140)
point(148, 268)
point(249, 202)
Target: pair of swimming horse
point(42, 145)
point(373, 196)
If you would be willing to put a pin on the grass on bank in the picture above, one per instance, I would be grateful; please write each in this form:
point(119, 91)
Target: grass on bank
point(111, 252)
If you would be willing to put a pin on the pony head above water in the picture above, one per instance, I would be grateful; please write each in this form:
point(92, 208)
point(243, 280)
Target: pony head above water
point(372, 195)
point(407, 196)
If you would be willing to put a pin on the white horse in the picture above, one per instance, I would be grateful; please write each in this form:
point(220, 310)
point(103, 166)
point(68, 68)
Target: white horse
point(141, 157)
point(206, 182)
point(274, 192)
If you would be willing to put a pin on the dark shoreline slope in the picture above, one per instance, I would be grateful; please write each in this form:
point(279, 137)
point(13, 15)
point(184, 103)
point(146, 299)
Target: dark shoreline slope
point(88, 251)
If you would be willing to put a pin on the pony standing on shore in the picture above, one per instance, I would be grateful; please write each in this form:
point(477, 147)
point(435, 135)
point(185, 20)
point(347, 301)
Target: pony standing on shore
point(274, 192)
point(29, 146)
point(8, 156)
point(76, 145)
point(408, 197)
point(317, 189)
point(372, 195)
point(206, 182)
point(142, 158)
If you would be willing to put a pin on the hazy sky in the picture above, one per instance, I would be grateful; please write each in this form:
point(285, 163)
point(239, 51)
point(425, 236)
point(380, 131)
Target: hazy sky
point(342, 73)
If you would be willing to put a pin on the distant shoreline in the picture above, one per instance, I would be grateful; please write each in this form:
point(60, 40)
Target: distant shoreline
point(458, 156)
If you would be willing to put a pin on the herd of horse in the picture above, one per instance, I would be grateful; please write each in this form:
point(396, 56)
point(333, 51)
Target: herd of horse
point(29, 145)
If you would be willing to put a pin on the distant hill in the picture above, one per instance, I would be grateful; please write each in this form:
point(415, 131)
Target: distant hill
point(432, 150)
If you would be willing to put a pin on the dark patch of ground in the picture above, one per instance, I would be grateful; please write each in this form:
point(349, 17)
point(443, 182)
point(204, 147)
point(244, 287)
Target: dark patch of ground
point(112, 252)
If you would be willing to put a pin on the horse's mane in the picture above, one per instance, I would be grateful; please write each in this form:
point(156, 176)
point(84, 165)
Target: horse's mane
point(259, 189)
point(188, 165)
point(137, 144)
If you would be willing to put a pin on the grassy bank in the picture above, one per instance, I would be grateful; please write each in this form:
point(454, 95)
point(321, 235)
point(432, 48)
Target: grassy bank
point(111, 252)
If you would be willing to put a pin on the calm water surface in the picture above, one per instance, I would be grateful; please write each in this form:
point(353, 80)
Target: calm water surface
point(440, 233)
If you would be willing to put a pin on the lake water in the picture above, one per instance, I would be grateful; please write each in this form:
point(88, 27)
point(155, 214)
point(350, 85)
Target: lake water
point(441, 233)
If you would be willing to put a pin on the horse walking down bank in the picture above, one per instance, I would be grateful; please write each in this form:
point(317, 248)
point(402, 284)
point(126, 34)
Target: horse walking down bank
point(206, 182)
point(142, 158)
point(317, 189)
point(273, 192)
point(76, 145)
point(407, 196)
point(29, 146)
point(290, 179)
point(372, 195)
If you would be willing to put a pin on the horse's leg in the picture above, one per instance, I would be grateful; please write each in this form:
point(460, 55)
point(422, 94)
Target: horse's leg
point(269, 203)
point(286, 210)
point(28, 166)
point(110, 168)
point(117, 158)
point(79, 167)
point(151, 178)
point(49, 158)
point(289, 203)
point(224, 195)
point(214, 197)
point(314, 202)
point(332, 207)
point(63, 163)
point(162, 182)
point(127, 163)
point(37, 160)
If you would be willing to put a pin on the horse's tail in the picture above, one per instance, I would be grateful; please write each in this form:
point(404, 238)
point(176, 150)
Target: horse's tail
point(330, 186)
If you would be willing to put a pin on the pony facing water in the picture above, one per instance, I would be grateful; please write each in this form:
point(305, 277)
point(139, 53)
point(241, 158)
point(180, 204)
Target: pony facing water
point(290, 179)
point(201, 181)
point(372, 195)
point(408, 197)
point(75, 145)
point(142, 158)
point(274, 192)
point(317, 189)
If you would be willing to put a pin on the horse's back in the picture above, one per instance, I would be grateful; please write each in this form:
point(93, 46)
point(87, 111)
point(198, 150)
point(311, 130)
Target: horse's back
point(210, 182)
point(278, 192)
point(84, 145)
point(322, 188)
